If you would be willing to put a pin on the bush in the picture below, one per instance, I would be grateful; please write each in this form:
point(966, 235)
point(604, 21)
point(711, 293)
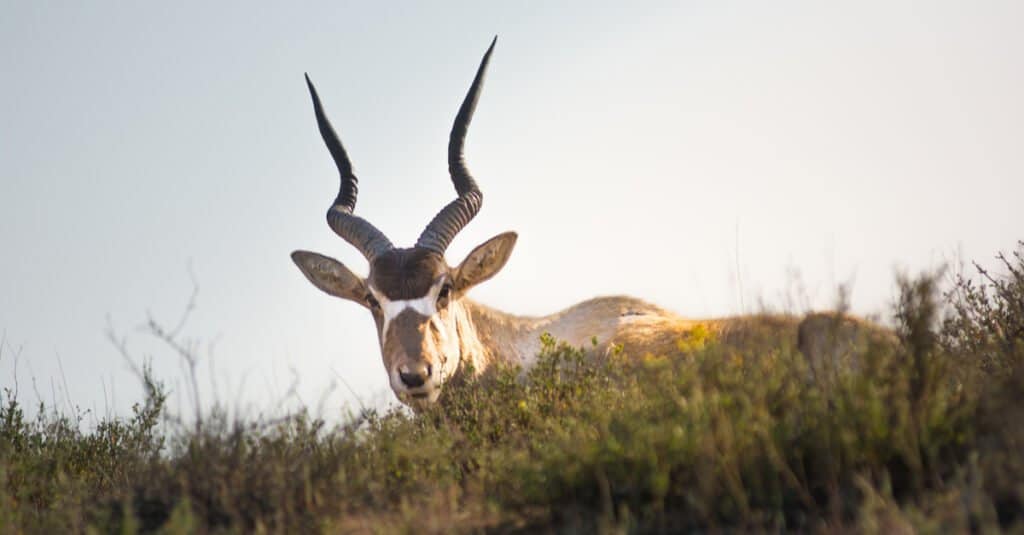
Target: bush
point(988, 320)
point(922, 433)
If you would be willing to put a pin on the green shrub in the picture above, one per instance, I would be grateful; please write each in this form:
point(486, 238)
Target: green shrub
point(921, 434)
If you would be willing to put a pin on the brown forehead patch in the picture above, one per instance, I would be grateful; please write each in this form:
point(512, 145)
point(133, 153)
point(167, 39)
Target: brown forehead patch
point(406, 331)
point(406, 273)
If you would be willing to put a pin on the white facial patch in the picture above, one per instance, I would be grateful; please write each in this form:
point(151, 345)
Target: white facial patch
point(426, 305)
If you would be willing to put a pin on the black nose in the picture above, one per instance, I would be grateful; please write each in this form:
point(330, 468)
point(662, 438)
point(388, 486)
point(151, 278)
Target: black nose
point(416, 376)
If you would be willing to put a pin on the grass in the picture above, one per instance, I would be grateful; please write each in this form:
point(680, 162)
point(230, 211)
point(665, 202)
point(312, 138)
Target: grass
point(923, 434)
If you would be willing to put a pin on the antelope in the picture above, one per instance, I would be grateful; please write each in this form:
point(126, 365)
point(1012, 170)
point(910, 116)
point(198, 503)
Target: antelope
point(429, 331)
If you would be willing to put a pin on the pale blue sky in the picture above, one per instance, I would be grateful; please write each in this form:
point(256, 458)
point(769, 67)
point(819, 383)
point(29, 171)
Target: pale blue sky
point(635, 149)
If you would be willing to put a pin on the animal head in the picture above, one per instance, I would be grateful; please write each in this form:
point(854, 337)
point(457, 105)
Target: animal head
point(412, 293)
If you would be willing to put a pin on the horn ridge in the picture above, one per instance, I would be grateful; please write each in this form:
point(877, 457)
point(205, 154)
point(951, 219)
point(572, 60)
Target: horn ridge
point(353, 229)
point(458, 213)
point(461, 176)
point(349, 190)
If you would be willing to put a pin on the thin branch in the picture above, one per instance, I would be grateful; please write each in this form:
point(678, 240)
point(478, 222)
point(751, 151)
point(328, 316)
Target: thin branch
point(64, 381)
point(362, 406)
point(121, 344)
point(191, 305)
point(739, 277)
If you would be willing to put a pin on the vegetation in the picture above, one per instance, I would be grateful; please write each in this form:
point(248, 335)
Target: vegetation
point(922, 434)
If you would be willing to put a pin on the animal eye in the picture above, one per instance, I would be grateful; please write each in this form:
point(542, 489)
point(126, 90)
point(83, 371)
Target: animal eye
point(444, 295)
point(372, 301)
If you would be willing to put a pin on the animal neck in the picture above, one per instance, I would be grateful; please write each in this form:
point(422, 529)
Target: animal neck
point(488, 336)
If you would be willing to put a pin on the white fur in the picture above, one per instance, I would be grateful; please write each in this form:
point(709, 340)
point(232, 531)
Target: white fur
point(426, 305)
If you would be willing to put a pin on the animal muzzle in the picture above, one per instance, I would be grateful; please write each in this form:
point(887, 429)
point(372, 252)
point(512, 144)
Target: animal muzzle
point(416, 382)
point(413, 351)
point(415, 375)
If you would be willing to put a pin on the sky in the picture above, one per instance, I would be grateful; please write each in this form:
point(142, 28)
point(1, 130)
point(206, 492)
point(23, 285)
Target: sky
point(710, 157)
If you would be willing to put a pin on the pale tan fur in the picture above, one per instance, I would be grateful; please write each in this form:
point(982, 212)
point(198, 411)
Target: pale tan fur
point(638, 328)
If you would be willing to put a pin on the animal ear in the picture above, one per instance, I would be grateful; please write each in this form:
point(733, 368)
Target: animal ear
point(331, 276)
point(485, 261)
